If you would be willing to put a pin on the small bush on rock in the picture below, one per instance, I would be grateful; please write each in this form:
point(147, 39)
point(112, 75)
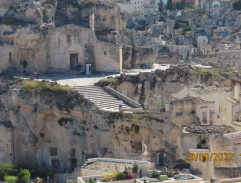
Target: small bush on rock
point(155, 174)
point(23, 176)
point(121, 176)
point(130, 175)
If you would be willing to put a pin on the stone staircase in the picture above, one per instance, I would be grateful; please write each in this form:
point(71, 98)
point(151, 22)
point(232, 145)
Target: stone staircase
point(101, 98)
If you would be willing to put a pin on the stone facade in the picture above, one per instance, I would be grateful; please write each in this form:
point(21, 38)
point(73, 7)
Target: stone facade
point(61, 48)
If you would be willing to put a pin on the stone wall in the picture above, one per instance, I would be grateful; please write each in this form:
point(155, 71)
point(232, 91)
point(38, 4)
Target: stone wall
point(53, 50)
point(43, 119)
point(5, 52)
point(6, 145)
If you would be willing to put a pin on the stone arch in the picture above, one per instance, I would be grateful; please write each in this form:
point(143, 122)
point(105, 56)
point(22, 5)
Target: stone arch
point(216, 4)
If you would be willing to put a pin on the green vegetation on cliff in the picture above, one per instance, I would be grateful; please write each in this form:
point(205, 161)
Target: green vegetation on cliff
point(34, 86)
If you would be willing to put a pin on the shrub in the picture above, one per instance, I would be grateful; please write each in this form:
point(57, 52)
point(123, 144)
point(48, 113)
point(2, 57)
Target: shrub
point(111, 176)
point(5, 169)
point(163, 177)
point(23, 176)
point(179, 25)
point(92, 181)
point(135, 168)
point(130, 175)
point(186, 29)
point(10, 179)
point(170, 174)
point(136, 128)
point(110, 80)
point(121, 176)
point(155, 174)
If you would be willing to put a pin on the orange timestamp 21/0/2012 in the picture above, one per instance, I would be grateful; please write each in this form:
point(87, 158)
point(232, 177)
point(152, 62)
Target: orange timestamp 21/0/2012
point(209, 157)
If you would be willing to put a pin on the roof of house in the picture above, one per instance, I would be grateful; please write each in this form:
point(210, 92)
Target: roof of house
point(234, 137)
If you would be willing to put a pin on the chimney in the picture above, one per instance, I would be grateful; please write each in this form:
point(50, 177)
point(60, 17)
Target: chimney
point(92, 21)
point(236, 94)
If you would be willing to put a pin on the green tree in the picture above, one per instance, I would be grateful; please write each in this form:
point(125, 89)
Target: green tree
point(161, 6)
point(183, 4)
point(237, 5)
point(23, 176)
point(135, 168)
point(178, 6)
point(169, 5)
point(5, 169)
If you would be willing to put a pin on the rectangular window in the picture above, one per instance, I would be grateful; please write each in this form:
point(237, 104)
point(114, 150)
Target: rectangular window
point(204, 117)
point(53, 152)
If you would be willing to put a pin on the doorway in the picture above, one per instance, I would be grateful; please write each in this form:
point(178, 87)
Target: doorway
point(10, 57)
point(88, 69)
point(161, 159)
point(73, 60)
point(73, 164)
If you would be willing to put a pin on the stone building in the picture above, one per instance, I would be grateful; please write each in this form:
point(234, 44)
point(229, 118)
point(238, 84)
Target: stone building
point(182, 111)
point(225, 160)
point(61, 48)
point(206, 113)
point(215, 8)
point(202, 40)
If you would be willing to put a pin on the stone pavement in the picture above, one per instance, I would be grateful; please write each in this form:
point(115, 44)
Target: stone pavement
point(84, 80)
point(73, 80)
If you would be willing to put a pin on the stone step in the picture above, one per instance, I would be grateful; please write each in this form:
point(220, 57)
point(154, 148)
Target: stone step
point(101, 98)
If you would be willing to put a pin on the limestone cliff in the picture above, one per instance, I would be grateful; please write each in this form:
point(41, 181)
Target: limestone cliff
point(66, 121)
point(61, 12)
point(156, 88)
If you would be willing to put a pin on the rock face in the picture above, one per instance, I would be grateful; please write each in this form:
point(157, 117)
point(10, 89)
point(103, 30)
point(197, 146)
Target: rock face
point(50, 127)
point(61, 12)
point(154, 90)
point(65, 127)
